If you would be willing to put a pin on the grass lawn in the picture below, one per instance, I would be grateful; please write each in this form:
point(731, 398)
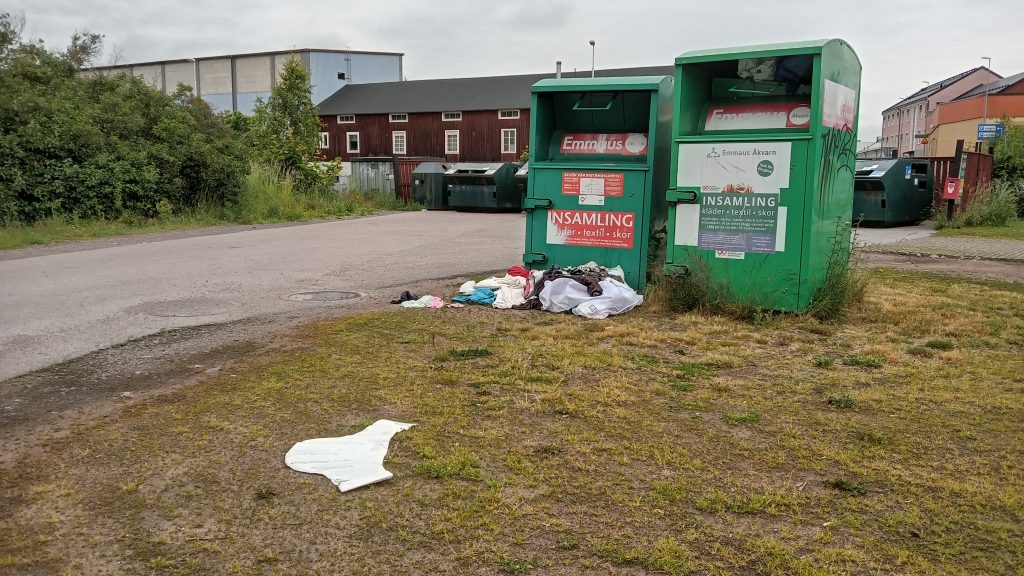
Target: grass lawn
point(1014, 231)
point(57, 230)
point(269, 207)
point(646, 444)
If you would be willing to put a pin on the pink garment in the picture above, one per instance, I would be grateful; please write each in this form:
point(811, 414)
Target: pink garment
point(436, 302)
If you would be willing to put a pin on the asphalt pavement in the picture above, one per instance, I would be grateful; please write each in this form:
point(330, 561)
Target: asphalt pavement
point(58, 306)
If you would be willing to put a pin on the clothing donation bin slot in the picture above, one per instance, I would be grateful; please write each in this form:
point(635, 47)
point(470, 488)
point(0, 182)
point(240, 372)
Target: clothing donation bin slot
point(598, 151)
point(763, 167)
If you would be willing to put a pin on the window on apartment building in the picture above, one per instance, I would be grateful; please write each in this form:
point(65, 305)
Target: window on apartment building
point(508, 141)
point(352, 140)
point(508, 114)
point(451, 116)
point(324, 139)
point(451, 141)
point(399, 118)
point(346, 118)
point(398, 142)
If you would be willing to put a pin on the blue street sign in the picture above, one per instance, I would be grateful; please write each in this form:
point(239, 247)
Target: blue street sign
point(989, 131)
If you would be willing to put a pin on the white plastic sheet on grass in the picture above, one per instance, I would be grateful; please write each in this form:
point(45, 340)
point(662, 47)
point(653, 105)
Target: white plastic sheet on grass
point(349, 461)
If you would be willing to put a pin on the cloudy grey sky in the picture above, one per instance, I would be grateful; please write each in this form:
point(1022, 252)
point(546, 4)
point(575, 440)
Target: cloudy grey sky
point(901, 43)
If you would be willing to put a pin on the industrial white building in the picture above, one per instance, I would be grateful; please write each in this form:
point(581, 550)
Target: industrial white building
point(234, 82)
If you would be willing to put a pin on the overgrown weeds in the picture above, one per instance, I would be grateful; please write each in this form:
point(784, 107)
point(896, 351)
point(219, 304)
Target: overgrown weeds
point(995, 205)
point(842, 284)
point(269, 194)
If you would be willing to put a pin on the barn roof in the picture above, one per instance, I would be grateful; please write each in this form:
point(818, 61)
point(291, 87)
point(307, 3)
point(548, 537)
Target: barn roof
point(454, 94)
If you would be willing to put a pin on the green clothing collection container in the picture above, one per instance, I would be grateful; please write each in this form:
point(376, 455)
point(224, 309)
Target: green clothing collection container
point(763, 167)
point(599, 154)
point(892, 191)
point(428, 186)
point(482, 186)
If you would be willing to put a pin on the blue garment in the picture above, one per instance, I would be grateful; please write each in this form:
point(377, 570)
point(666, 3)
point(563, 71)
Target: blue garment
point(478, 296)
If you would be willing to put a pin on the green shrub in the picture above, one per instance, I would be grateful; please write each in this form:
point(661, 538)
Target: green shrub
point(90, 146)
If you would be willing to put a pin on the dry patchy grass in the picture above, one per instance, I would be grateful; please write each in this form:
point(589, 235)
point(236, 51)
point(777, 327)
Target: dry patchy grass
point(570, 447)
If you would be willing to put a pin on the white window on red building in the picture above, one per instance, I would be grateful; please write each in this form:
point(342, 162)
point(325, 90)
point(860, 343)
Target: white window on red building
point(451, 141)
point(398, 142)
point(508, 141)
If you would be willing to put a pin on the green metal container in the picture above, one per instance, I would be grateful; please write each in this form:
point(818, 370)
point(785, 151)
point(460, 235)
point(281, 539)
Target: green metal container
point(428, 186)
point(763, 158)
point(522, 181)
point(891, 192)
point(482, 186)
point(598, 168)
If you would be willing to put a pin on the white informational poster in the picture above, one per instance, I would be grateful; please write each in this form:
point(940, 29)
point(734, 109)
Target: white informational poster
point(838, 106)
point(737, 167)
point(740, 185)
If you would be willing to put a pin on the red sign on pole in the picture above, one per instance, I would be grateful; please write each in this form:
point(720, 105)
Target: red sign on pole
point(951, 190)
point(618, 143)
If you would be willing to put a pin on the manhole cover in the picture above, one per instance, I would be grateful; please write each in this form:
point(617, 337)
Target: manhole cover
point(190, 307)
point(322, 296)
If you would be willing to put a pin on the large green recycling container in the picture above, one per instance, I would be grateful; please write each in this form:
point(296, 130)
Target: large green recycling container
point(428, 186)
point(598, 155)
point(482, 186)
point(892, 191)
point(763, 160)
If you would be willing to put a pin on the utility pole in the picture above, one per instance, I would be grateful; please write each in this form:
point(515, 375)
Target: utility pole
point(593, 51)
point(989, 66)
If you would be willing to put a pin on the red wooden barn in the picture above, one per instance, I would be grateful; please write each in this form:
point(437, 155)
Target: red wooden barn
point(461, 119)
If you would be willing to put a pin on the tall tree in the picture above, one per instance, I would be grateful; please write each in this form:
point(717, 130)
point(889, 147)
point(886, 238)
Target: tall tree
point(286, 128)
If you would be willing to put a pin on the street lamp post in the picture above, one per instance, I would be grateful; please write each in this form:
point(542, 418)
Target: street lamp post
point(593, 51)
point(989, 66)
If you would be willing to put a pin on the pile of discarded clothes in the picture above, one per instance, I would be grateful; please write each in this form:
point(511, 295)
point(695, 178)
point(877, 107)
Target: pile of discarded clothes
point(591, 291)
point(409, 300)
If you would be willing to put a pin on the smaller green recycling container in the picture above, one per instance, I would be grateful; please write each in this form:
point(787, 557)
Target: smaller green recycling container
point(599, 156)
point(428, 186)
point(483, 186)
point(892, 191)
